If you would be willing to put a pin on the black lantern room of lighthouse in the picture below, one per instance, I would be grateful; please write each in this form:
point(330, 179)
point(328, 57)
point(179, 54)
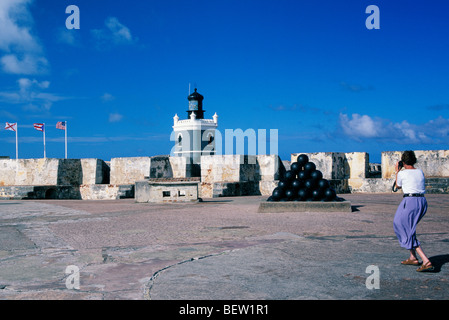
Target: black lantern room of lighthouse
point(195, 105)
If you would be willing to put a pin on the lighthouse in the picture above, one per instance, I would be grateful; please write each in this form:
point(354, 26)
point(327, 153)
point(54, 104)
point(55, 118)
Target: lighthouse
point(194, 136)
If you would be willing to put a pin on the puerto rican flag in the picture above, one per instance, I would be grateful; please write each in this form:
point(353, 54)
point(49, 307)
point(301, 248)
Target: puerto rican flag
point(11, 126)
point(39, 126)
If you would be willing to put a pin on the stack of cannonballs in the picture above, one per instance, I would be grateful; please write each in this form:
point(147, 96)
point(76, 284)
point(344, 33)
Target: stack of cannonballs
point(303, 182)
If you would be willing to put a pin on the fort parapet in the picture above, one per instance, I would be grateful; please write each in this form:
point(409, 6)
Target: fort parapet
point(221, 175)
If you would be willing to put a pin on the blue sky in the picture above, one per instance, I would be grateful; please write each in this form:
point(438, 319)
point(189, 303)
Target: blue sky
point(310, 69)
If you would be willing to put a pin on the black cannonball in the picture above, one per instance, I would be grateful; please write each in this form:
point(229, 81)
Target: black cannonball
point(270, 199)
point(283, 184)
point(330, 194)
point(317, 194)
point(290, 194)
point(303, 194)
point(297, 184)
point(277, 194)
point(289, 175)
point(310, 184)
point(302, 159)
point(309, 166)
point(295, 167)
point(323, 184)
point(303, 175)
point(316, 175)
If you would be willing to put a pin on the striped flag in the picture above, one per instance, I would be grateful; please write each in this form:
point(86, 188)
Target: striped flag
point(39, 126)
point(60, 125)
point(63, 126)
point(11, 126)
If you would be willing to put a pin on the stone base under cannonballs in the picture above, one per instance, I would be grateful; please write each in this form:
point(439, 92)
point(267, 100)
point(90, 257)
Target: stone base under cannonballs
point(305, 206)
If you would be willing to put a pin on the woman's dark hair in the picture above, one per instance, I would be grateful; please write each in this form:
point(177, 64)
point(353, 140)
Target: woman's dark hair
point(408, 157)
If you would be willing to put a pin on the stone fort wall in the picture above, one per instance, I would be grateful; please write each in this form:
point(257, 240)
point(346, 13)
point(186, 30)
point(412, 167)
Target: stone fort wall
point(221, 175)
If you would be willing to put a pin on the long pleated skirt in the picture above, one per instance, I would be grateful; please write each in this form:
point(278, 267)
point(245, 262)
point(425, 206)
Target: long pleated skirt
point(409, 213)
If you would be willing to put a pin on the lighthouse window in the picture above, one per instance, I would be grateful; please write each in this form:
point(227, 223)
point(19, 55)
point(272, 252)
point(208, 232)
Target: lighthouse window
point(179, 139)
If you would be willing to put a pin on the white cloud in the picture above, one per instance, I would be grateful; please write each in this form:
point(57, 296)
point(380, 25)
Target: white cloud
point(120, 33)
point(15, 25)
point(362, 127)
point(23, 52)
point(107, 97)
point(114, 33)
point(29, 64)
point(115, 117)
point(69, 37)
point(31, 95)
point(359, 126)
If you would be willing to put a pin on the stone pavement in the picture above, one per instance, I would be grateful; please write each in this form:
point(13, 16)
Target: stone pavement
point(217, 249)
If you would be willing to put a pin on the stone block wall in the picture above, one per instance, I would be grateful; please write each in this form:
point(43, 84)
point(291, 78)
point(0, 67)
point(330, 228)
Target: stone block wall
point(353, 169)
point(105, 191)
point(246, 175)
point(132, 169)
point(339, 165)
point(129, 170)
point(166, 191)
point(434, 163)
point(49, 171)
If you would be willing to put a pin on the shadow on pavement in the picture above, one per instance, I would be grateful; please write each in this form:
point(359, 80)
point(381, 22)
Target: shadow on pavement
point(439, 261)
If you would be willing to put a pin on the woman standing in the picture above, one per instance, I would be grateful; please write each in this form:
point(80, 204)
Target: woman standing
point(411, 210)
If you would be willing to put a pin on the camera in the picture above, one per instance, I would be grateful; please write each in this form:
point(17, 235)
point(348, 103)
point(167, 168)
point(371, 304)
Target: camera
point(400, 166)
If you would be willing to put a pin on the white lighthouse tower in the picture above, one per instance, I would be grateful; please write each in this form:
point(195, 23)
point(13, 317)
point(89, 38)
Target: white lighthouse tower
point(194, 136)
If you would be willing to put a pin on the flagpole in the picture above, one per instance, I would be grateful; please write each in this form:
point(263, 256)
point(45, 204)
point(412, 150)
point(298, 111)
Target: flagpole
point(17, 143)
point(43, 127)
point(66, 139)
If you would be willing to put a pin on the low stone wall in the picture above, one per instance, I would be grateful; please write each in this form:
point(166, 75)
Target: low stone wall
point(434, 163)
point(221, 175)
point(353, 170)
point(39, 192)
point(106, 191)
point(48, 172)
point(167, 191)
point(437, 185)
point(244, 175)
point(132, 169)
point(339, 165)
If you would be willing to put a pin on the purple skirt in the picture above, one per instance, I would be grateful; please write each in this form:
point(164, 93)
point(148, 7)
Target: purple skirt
point(409, 213)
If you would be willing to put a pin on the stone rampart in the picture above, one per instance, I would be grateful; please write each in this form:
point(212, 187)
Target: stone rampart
point(223, 175)
point(434, 163)
point(132, 169)
point(353, 170)
point(339, 165)
point(49, 171)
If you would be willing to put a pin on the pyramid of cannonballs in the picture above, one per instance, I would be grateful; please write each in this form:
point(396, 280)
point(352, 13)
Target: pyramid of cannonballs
point(303, 182)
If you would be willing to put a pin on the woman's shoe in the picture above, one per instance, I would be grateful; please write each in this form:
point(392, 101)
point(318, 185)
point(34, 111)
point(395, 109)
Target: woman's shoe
point(411, 262)
point(425, 267)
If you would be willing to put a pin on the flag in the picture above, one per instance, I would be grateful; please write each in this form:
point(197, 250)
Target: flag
point(60, 125)
point(11, 126)
point(63, 126)
point(39, 126)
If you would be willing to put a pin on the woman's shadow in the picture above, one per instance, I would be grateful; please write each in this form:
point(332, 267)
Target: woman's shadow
point(439, 261)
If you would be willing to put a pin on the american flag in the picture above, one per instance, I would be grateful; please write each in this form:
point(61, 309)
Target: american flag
point(39, 126)
point(60, 125)
point(11, 126)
